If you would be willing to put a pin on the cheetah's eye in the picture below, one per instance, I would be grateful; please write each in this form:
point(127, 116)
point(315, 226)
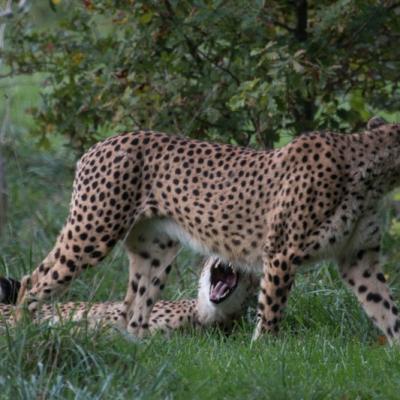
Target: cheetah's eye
point(223, 282)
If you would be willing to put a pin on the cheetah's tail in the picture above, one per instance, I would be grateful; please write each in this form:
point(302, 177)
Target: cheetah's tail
point(9, 289)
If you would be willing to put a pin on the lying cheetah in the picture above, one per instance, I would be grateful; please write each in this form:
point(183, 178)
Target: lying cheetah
point(222, 295)
point(268, 211)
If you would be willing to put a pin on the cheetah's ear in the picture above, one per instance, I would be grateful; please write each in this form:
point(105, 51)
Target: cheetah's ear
point(375, 122)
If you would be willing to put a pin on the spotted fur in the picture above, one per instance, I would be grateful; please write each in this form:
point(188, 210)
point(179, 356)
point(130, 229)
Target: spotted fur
point(271, 211)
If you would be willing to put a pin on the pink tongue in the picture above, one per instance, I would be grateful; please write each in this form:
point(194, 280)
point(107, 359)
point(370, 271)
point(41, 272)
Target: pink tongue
point(218, 290)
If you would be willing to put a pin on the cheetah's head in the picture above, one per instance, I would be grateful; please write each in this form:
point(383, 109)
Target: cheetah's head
point(222, 292)
point(223, 281)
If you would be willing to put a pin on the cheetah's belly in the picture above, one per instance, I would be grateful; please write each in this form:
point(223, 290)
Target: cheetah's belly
point(177, 232)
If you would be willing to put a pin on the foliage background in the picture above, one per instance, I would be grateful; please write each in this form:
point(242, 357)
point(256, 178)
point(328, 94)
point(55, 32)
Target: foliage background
point(247, 72)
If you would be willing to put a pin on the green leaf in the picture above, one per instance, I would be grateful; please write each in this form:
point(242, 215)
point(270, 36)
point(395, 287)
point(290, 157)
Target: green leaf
point(146, 17)
point(236, 102)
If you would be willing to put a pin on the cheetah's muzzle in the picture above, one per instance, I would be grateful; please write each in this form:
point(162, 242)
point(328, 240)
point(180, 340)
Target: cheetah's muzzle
point(224, 281)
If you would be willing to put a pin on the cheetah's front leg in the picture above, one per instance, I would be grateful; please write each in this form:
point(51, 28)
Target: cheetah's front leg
point(275, 287)
point(364, 276)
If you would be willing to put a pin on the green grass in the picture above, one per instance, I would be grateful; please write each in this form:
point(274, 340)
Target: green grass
point(333, 355)
point(327, 348)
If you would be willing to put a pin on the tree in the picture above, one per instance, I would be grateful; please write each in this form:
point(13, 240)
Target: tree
point(6, 13)
point(246, 72)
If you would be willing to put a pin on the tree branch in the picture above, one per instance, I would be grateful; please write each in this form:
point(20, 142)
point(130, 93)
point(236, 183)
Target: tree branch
point(194, 51)
point(302, 20)
point(266, 16)
point(393, 6)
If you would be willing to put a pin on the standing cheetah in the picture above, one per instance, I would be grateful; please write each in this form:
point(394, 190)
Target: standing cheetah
point(271, 211)
point(222, 295)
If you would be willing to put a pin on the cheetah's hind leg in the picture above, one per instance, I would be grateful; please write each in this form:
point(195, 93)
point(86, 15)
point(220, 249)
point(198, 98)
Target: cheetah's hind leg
point(71, 254)
point(150, 255)
point(101, 213)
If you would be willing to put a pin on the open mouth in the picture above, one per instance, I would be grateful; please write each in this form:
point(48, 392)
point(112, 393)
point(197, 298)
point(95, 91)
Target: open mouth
point(223, 281)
